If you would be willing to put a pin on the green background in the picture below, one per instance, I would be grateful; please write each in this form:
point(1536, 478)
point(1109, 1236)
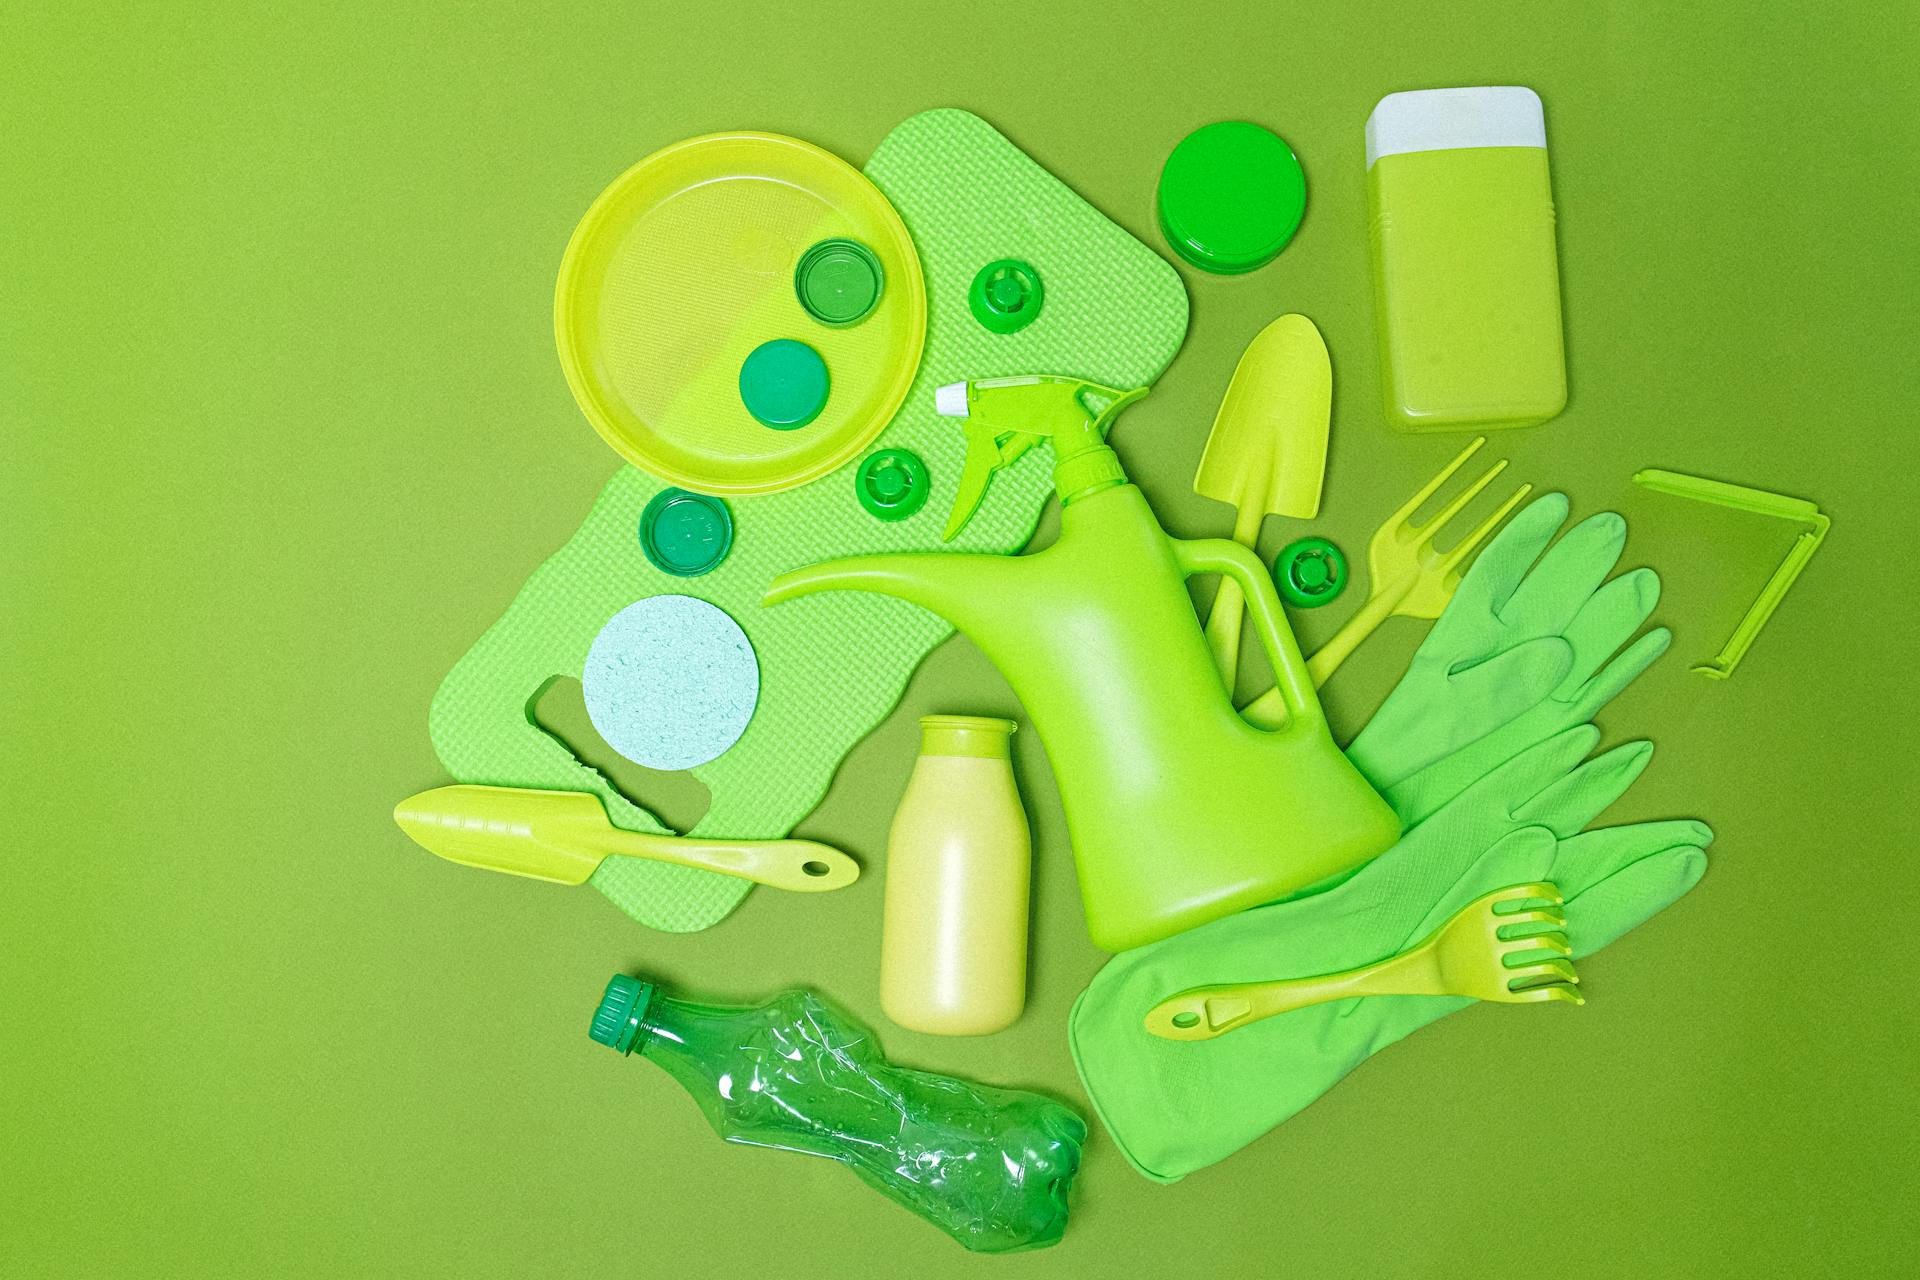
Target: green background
point(285, 431)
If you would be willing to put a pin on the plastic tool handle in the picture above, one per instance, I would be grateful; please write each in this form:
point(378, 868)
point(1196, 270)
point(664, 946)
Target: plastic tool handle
point(1238, 565)
point(803, 866)
point(1362, 624)
point(1229, 603)
point(1205, 1013)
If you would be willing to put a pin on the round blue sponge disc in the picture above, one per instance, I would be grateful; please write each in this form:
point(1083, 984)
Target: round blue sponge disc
point(671, 682)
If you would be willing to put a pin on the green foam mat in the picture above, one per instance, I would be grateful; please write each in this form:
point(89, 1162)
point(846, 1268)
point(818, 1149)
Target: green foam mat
point(833, 666)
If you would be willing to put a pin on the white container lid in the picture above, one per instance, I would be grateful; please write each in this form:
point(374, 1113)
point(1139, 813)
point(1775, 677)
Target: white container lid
point(1447, 119)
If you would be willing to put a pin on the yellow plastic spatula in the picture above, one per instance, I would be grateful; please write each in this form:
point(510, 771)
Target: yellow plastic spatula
point(1267, 453)
point(563, 836)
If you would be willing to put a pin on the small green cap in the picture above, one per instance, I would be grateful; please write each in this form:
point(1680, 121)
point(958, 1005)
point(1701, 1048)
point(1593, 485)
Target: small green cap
point(1231, 196)
point(838, 281)
point(685, 534)
point(616, 1023)
point(1310, 572)
point(892, 484)
point(1006, 295)
point(784, 383)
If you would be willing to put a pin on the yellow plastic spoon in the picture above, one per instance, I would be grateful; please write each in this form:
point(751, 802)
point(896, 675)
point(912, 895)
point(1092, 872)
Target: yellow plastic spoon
point(563, 836)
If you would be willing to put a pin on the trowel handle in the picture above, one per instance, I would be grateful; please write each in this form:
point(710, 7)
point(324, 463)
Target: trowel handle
point(1242, 567)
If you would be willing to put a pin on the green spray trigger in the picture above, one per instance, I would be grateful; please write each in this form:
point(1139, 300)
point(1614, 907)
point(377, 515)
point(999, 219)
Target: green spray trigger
point(1004, 417)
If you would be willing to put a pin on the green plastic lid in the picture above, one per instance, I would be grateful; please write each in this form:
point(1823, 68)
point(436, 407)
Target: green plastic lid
point(685, 534)
point(616, 1023)
point(784, 383)
point(838, 281)
point(1231, 196)
point(892, 484)
point(1006, 295)
point(1310, 572)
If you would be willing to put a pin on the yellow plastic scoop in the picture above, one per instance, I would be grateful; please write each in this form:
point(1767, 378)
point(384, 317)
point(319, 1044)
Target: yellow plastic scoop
point(563, 836)
point(1267, 453)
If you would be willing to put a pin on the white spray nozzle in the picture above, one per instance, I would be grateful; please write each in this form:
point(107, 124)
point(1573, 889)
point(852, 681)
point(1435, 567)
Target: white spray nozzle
point(950, 401)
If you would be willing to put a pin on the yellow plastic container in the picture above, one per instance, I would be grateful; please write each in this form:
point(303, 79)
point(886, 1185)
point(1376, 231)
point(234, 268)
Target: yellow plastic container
point(1466, 280)
point(686, 265)
point(953, 951)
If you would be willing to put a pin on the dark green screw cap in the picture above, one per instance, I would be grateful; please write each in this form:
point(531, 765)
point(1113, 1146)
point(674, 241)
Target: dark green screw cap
point(839, 282)
point(892, 484)
point(684, 533)
point(616, 1023)
point(1006, 295)
point(1310, 573)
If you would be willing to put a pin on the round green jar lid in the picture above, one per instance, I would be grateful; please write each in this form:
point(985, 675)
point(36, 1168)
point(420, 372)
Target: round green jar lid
point(1310, 572)
point(1231, 196)
point(1006, 295)
point(838, 281)
point(892, 484)
point(685, 534)
point(784, 383)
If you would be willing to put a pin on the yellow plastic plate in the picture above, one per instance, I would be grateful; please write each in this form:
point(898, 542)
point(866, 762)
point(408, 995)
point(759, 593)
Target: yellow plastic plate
point(685, 264)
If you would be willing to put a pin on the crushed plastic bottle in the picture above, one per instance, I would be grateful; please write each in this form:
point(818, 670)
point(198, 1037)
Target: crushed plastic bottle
point(991, 1167)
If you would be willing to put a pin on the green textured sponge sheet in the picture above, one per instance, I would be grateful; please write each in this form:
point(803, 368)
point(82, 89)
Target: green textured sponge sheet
point(831, 667)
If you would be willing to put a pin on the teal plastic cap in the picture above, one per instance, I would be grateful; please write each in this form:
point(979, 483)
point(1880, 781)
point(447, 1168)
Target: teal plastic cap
point(783, 383)
point(685, 534)
point(1231, 195)
point(623, 1006)
point(838, 282)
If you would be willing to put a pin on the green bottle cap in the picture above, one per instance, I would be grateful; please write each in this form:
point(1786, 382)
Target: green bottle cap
point(892, 484)
point(838, 281)
point(1310, 573)
point(1006, 295)
point(784, 383)
point(1231, 196)
point(616, 1023)
point(685, 534)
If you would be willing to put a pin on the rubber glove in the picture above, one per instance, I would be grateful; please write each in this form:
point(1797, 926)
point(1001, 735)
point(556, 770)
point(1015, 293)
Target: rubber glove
point(1174, 1107)
point(1499, 646)
point(1610, 617)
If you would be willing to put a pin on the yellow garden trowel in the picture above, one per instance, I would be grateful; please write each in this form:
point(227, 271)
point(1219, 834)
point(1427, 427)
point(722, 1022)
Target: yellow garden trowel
point(563, 836)
point(1267, 453)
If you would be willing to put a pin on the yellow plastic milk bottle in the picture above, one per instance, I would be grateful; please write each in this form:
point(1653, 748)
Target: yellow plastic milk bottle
point(953, 949)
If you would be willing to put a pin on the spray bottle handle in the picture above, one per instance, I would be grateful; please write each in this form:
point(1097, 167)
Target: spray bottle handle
point(1222, 556)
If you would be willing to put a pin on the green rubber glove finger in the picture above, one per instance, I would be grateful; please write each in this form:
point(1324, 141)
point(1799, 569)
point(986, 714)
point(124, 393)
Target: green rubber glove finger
point(1567, 576)
point(1499, 689)
point(1505, 601)
point(1500, 568)
point(1568, 805)
point(1606, 622)
point(1582, 861)
point(1549, 783)
point(1631, 896)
